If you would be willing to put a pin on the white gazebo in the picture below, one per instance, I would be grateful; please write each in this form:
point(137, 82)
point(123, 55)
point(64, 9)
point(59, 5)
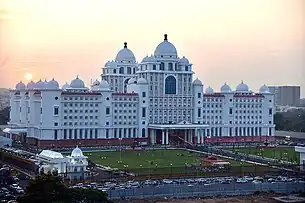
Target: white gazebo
point(72, 167)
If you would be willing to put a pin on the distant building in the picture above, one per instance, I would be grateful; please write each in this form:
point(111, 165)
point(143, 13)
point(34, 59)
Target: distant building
point(286, 95)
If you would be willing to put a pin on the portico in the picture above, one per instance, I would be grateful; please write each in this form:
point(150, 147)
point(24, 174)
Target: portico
point(187, 132)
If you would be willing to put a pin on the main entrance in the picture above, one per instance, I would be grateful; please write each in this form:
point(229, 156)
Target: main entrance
point(176, 134)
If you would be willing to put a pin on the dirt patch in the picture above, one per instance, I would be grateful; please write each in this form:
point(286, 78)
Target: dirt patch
point(263, 198)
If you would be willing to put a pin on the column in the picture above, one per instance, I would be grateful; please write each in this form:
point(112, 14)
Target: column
point(198, 136)
point(155, 137)
point(166, 140)
point(185, 135)
point(151, 134)
point(190, 137)
point(163, 137)
point(203, 133)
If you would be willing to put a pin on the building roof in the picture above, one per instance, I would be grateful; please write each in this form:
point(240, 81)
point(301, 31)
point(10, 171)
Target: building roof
point(51, 154)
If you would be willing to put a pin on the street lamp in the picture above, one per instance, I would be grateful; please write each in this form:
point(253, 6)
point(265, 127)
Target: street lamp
point(171, 165)
point(120, 150)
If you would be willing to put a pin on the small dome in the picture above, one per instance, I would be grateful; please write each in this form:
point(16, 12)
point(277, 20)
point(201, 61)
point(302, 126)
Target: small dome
point(39, 84)
point(142, 81)
point(31, 85)
point(184, 60)
point(53, 84)
point(112, 64)
point(132, 81)
point(20, 86)
point(104, 85)
point(166, 48)
point(65, 86)
point(77, 83)
point(96, 83)
point(264, 89)
point(77, 152)
point(125, 54)
point(107, 64)
point(242, 87)
point(197, 82)
point(209, 90)
point(145, 59)
point(225, 88)
point(151, 59)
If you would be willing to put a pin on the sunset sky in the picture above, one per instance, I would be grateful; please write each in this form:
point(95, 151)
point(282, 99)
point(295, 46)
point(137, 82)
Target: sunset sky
point(258, 41)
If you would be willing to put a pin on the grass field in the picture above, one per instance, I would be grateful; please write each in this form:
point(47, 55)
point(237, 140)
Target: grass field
point(280, 153)
point(161, 162)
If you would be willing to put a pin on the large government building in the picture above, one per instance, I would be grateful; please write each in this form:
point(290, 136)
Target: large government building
point(155, 101)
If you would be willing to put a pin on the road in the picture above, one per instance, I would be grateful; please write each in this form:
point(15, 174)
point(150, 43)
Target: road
point(185, 190)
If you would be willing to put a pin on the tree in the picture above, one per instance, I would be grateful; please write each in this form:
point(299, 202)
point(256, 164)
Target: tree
point(4, 115)
point(49, 188)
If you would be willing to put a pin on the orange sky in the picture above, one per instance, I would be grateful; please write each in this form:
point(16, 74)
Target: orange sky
point(258, 41)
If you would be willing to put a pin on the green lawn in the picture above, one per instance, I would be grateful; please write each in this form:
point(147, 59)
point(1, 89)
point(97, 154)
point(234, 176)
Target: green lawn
point(144, 159)
point(154, 162)
point(280, 153)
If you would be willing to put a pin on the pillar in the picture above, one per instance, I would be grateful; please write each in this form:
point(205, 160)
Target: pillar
point(198, 136)
point(166, 139)
point(163, 137)
point(185, 135)
point(202, 135)
point(151, 134)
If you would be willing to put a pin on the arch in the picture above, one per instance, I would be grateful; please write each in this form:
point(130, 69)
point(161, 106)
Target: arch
point(162, 66)
point(143, 132)
point(170, 85)
point(125, 84)
point(121, 70)
point(129, 70)
point(170, 66)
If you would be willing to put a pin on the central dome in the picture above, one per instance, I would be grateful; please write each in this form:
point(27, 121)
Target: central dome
point(125, 54)
point(166, 48)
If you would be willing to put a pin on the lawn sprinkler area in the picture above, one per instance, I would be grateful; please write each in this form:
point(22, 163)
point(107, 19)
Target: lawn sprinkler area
point(278, 153)
point(166, 162)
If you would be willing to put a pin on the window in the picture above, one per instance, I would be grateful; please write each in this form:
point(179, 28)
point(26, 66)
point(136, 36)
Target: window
point(107, 133)
point(154, 67)
point(170, 66)
point(143, 132)
point(199, 112)
point(143, 94)
point(270, 111)
point(162, 66)
point(56, 110)
point(199, 95)
point(121, 71)
point(55, 134)
point(231, 111)
point(107, 110)
point(55, 124)
point(128, 70)
point(170, 85)
point(143, 112)
point(114, 70)
point(186, 68)
point(65, 133)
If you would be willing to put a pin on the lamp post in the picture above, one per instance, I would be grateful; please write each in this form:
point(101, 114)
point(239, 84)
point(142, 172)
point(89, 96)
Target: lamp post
point(171, 167)
point(120, 150)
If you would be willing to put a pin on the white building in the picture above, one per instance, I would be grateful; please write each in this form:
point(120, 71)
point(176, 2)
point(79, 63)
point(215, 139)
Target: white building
point(71, 167)
point(152, 102)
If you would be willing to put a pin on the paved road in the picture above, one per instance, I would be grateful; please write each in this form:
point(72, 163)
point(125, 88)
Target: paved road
point(184, 190)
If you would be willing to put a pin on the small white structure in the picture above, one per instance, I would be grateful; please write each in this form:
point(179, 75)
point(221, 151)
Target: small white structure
point(301, 150)
point(72, 167)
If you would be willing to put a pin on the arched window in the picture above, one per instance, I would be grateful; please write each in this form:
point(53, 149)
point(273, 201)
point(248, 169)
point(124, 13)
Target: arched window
point(186, 68)
point(162, 66)
point(143, 132)
point(170, 66)
point(125, 85)
point(134, 71)
point(170, 85)
point(121, 70)
point(114, 70)
point(128, 70)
